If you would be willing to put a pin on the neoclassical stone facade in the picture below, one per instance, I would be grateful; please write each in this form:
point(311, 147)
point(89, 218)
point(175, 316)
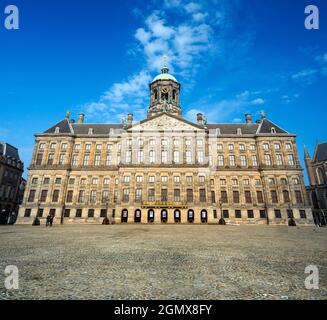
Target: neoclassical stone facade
point(166, 169)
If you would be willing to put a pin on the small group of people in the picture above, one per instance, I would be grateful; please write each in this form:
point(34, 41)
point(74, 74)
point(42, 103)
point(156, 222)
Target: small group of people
point(49, 221)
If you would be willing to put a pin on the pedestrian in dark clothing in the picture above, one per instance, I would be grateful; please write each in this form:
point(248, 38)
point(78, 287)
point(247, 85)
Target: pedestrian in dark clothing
point(47, 224)
point(51, 220)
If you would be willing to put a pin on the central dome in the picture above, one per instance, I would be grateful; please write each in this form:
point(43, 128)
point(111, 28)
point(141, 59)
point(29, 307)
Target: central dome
point(164, 76)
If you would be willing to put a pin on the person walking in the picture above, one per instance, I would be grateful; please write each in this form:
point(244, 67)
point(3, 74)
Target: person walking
point(51, 220)
point(48, 221)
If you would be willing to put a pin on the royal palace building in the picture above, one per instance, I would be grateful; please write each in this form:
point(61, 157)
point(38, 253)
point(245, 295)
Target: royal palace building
point(166, 169)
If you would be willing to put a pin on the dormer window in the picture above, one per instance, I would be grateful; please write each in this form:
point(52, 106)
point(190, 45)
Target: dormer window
point(273, 130)
point(90, 131)
point(57, 130)
point(239, 131)
point(218, 133)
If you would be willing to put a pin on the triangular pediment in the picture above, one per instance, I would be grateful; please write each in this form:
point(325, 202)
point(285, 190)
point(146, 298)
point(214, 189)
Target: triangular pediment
point(165, 122)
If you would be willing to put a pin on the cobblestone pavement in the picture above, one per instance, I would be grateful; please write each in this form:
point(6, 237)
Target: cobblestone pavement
point(163, 261)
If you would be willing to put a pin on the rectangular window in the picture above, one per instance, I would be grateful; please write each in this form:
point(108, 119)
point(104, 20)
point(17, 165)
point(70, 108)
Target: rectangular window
point(188, 157)
point(108, 160)
point(86, 160)
point(200, 156)
point(238, 214)
point(98, 147)
point(225, 214)
point(263, 214)
point(87, 147)
point(201, 179)
point(27, 213)
point(164, 195)
point(106, 181)
point(274, 198)
point(69, 196)
point(267, 160)
point(127, 179)
point(250, 214)
point(176, 156)
point(53, 146)
point(164, 156)
point(220, 160)
point(77, 147)
point(177, 195)
point(50, 159)
point(248, 198)
point(67, 213)
point(140, 156)
point(232, 161)
point(138, 195)
point(303, 215)
point(139, 179)
point(152, 156)
point(223, 197)
point(243, 161)
point(189, 195)
point(90, 213)
point(219, 147)
point(189, 179)
point(128, 156)
point(105, 196)
point(93, 196)
point(177, 179)
point(202, 193)
point(55, 196)
point(213, 197)
point(81, 196)
point(231, 148)
point(39, 157)
point(78, 213)
point(164, 179)
point(236, 197)
point(125, 195)
point(41, 146)
point(103, 213)
point(75, 160)
point(259, 196)
point(254, 161)
point(279, 159)
point(151, 179)
point(290, 160)
point(151, 195)
point(31, 196)
point(278, 214)
point(61, 159)
point(97, 160)
point(44, 194)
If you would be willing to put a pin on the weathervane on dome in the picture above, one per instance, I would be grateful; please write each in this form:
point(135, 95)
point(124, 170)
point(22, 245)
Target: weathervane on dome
point(164, 64)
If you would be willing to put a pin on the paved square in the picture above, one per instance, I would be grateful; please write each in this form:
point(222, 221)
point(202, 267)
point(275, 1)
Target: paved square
point(163, 261)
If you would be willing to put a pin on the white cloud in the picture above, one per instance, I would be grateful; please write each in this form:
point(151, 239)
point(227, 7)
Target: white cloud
point(258, 101)
point(306, 76)
point(192, 7)
point(225, 108)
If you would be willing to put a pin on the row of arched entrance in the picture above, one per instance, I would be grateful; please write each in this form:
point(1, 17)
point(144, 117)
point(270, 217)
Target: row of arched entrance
point(164, 216)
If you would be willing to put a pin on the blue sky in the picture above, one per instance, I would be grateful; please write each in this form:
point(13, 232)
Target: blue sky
point(231, 57)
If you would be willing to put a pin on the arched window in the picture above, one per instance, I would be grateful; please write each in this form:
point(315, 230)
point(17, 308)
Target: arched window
point(155, 94)
point(321, 176)
point(164, 96)
point(283, 181)
point(174, 95)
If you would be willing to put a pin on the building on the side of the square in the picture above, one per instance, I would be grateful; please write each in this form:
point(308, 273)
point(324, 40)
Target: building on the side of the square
point(166, 169)
point(317, 174)
point(11, 170)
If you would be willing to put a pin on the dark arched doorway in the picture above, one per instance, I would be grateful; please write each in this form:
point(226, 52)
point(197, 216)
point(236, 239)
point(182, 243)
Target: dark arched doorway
point(177, 216)
point(190, 216)
point(164, 216)
point(151, 216)
point(137, 216)
point(204, 216)
point(124, 216)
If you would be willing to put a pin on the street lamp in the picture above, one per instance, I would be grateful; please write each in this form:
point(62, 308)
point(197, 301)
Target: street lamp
point(62, 214)
point(36, 221)
point(221, 220)
point(291, 221)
